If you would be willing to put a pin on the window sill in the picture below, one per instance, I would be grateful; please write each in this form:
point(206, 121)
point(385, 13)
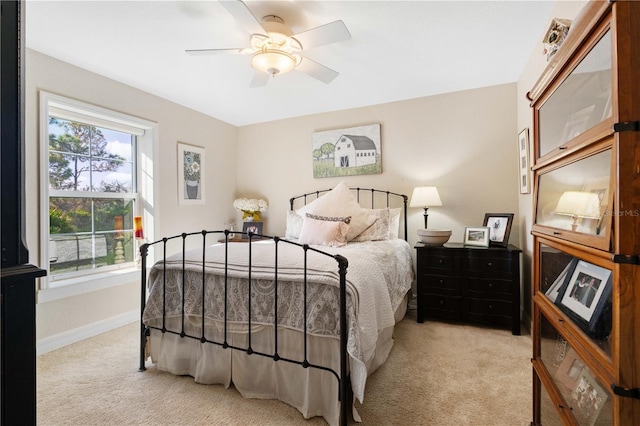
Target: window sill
point(87, 284)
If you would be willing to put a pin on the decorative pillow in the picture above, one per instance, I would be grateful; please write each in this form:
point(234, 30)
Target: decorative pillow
point(323, 232)
point(380, 228)
point(394, 223)
point(294, 225)
point(341, 202)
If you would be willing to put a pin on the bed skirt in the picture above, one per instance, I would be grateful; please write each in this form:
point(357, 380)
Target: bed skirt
point(312, 391)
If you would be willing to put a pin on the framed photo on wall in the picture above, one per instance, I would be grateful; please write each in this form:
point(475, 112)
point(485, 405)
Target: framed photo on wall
point(523, 164)
point(476, 236)
point(191, 172)
point(499, 225)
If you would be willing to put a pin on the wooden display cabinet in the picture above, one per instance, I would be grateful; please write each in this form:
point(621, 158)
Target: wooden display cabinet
point(586, 230)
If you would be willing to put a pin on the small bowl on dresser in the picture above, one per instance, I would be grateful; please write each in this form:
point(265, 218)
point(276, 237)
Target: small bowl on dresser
point(434, 237)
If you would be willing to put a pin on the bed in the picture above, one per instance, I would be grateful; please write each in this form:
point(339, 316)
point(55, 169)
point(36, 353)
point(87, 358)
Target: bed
point(303, 318)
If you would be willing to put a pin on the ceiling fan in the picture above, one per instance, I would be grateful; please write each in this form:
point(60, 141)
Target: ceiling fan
point(275, 50)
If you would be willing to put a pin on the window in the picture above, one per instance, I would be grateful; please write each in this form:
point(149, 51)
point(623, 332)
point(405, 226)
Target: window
point(91, 187)
point(92, 196)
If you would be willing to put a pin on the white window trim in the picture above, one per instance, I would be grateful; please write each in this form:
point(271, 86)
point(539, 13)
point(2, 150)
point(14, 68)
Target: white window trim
point(146, 169)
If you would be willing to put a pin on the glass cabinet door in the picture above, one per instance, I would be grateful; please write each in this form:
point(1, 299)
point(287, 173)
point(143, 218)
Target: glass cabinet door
point(582, 100)
point(577, 198)
point(588, 399)
point(581, 290)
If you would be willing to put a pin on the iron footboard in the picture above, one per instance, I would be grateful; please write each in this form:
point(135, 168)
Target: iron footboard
point(342, 265)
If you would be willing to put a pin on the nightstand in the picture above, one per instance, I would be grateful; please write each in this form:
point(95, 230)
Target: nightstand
point(478, 285)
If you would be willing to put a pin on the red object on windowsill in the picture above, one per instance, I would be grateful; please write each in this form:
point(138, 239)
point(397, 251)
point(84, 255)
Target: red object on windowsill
point(137, 227)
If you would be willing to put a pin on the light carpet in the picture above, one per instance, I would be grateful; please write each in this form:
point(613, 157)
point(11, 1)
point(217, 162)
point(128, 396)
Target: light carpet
point(437, 374)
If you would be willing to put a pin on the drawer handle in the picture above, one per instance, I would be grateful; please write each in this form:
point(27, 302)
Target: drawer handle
point(489, 264)
point(441, 281)
point(440, 261)
point(490, 306)
point(442, 302)
point(490, 285)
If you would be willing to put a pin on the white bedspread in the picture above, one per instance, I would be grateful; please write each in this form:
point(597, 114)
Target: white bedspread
point(378, 277)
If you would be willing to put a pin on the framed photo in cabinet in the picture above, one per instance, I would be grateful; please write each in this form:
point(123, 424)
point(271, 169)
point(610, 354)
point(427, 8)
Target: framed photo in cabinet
point(569, 370)
point(553, 291)
point(584, 293)
point(588, 398)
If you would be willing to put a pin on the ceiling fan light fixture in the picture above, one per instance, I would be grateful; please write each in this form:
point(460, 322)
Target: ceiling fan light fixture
point(275, 61)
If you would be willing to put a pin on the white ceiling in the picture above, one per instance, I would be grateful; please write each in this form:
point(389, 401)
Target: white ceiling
point(399, 50)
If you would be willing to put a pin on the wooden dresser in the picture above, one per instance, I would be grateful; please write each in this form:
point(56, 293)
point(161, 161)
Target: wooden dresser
point(469, 284)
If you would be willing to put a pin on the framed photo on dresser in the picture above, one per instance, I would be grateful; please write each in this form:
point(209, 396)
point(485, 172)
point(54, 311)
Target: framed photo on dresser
point(499, 225)
point(476, 236)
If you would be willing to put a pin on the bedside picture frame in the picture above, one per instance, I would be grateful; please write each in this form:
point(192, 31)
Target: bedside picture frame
point(499, 225)
point(255, 227)
point(584, 294)
point(476, 236)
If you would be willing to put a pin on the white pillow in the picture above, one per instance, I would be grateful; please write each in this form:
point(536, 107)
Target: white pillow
point(341, 202)
point(323, 232)
point(394, 223)
point(380, 228)
point(294, 225)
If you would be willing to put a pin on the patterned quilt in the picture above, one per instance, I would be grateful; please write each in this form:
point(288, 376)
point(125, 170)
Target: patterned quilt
point(378, 277)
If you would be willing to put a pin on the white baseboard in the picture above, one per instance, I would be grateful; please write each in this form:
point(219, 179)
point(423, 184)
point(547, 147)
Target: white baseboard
point(72, 336)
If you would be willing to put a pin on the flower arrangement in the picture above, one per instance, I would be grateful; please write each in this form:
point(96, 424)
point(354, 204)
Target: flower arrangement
point(191, 166)
point(250, 207)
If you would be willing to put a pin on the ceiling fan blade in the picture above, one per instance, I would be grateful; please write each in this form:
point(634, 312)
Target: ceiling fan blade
point(202, 52)
point(325, 34)
point(243, 15)
point(260, 79)
point(316, 70)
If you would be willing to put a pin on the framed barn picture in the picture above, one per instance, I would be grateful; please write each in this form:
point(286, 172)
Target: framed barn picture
point(347, 152)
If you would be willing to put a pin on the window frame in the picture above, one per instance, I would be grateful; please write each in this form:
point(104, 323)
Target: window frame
point(94, 279)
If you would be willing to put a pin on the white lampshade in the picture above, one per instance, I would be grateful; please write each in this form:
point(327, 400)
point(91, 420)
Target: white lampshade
point(425, 196)
point(579, 204)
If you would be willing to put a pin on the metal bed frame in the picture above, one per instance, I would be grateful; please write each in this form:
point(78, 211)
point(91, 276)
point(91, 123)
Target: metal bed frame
point(341, 264)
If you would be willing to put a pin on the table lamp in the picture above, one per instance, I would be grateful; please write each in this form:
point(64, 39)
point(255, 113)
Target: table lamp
point(578, 205)
point(425, 197)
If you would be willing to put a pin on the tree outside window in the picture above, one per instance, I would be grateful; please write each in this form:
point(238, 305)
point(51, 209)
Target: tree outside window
point(91, 196)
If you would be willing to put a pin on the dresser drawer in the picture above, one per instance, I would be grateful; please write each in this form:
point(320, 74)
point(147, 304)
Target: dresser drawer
point(441, 284)
point(479, 265)
point(434, 262)
point(443, 307)
point(490, 311)
point(490, 288)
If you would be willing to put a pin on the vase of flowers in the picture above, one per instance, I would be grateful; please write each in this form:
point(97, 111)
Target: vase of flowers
point(251, 208)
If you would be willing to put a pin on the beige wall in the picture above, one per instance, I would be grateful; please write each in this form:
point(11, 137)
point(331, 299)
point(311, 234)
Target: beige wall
point(462, 142)
point(566, 9)
point(175, 123)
